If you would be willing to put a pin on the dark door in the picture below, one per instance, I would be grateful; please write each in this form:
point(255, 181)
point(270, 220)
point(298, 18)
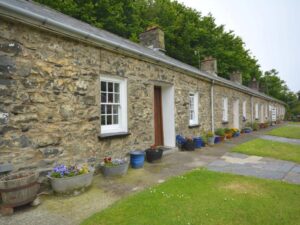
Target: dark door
point(158, 120)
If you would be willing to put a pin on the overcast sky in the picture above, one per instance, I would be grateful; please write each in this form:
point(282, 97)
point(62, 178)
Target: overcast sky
point(270, 29)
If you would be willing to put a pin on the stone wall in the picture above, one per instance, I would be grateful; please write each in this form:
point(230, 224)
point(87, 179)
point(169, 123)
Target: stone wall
point(49, 99)
point(232, 95)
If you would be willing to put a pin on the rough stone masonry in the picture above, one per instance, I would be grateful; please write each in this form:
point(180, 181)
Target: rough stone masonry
point(50, 99)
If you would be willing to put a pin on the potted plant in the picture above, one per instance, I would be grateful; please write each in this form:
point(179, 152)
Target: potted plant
point(210, 138)
point(114, 167)
point(247, 130)
point(228, 133)
point(66, 179)
point(255, 126)
point(221, 133)
point(204, 140)
point(235, 132)
point(189, 145)
point(153, 153)
point(18, 188)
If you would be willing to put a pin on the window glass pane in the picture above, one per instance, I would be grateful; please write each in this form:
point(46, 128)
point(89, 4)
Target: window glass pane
point(102, 109)
point(103, 120)
point(109, 109)
point(110, 97)
point(117, 87)
point(103, 97)
point(117, 98)
point(109, 120)
point(110, 86)
point(103, 86)
point(115, 109)
point(116, 119)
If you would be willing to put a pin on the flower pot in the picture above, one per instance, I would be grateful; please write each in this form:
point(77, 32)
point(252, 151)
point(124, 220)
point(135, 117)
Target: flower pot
point(217, 139)
point(19, 188)
point(228, 135)
point(137, 159)
point(210, 140)
point(236, 134)
point(189, 145)
point(153, 154)
point(69, 184)
point(117, 170)
point(198, 142)
point(180, 140)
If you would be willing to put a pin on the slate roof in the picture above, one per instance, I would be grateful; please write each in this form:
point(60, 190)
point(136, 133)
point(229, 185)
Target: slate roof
point(42, 16)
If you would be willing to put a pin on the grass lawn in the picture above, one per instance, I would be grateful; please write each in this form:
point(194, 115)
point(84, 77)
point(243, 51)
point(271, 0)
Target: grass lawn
point(286, 131)
point(208, 198)
point(273, 149)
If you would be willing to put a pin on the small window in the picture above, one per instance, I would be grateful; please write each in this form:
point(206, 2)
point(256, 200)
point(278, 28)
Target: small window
point(244, 110)
point(225, 110)
point(193, 100)
point(113, 105)
point(266, 111)
point(256, 111)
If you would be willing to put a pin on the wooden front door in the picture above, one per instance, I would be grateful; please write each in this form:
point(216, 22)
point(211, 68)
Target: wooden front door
point(158, 120)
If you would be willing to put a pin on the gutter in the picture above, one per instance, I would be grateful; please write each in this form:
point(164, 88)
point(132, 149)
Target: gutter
point(212, 106)
point(25, 16)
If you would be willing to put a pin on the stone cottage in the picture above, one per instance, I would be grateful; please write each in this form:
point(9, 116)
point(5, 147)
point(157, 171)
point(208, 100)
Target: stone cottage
point(71, 92)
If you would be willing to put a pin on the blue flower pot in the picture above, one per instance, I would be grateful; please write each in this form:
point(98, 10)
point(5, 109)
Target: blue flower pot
point(198, 142)
point(217, 139)
point(137, 159)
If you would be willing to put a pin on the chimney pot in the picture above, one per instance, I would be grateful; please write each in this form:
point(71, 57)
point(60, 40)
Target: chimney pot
point(209, 65)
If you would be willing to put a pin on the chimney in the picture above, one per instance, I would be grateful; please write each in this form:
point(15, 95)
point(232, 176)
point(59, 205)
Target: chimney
point(236, 77)
point(254, 84)
point(209, 65)
point(153, 38)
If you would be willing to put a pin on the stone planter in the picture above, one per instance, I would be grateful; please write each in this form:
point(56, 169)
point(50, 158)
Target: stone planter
point(19, 188)
point(69, 184)
point(153, 154)
point(118, 170)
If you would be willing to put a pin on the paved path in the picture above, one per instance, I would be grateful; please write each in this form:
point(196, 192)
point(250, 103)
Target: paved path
point(280, 139)
point(256, 166)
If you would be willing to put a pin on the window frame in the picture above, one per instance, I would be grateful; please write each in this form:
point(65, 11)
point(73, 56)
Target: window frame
point(195, 108)
point(225, 109)
point(122, 125)
point(245, 110)
point(256, 111)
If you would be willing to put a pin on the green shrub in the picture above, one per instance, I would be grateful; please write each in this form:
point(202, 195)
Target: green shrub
point(220, 132)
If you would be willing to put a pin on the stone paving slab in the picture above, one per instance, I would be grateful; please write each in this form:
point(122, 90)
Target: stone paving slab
point(261, 167)
point(280, 139)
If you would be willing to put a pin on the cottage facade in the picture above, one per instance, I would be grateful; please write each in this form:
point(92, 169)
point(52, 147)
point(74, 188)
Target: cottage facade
point(71, 92)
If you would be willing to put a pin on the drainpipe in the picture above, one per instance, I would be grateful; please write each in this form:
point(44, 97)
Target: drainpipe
point(212, 106)
point(251, 109)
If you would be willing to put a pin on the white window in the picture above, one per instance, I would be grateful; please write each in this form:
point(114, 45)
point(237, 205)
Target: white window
point(244, 110)
point(225, 110)
point(193, 97)
point(113, 105)
point(266, 111)
point(256, 111)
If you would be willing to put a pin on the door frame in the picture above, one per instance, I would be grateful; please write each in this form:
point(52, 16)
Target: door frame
point(236, 114)
point(168, 113)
